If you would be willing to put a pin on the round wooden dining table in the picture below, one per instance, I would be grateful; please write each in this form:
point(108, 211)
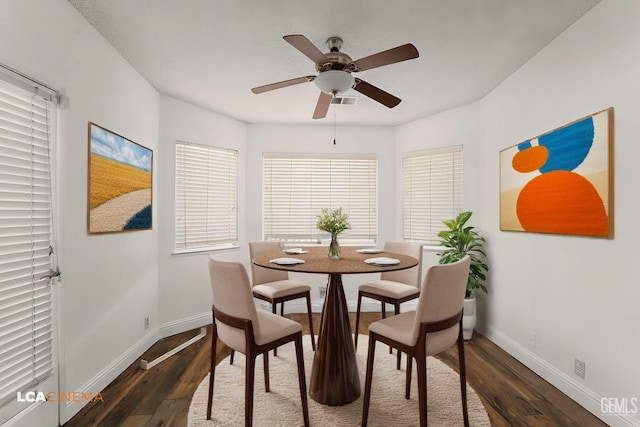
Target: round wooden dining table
point(334, 375)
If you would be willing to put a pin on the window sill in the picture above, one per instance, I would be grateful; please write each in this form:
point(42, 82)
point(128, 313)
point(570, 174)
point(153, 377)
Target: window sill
point(203, 250)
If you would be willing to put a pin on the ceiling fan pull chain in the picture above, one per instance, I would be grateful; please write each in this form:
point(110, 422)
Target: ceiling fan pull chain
point(334, 121)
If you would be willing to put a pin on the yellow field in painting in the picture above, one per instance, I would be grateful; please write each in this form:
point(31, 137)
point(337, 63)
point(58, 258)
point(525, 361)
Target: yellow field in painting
point(111, 179)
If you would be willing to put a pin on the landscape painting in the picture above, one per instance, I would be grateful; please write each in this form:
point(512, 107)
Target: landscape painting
point(561, 182)
point(120, 177)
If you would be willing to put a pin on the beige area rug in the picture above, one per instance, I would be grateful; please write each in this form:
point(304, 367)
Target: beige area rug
point(282, 407)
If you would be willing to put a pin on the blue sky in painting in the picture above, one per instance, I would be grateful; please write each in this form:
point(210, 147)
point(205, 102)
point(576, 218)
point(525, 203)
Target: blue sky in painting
point(114, 147)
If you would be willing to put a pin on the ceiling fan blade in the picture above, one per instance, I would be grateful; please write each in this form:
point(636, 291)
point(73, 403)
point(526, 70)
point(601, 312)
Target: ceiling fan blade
point(322, 106)
point(285, 83)
point(305, 46)
point(376, 93)
point(391, 56)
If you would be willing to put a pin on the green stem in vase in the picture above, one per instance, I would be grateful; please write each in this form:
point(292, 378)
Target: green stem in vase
point(334, 247)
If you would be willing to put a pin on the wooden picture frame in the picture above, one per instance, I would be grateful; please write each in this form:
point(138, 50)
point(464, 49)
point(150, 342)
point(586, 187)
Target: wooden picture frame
point(119, 183)
point(561, 182)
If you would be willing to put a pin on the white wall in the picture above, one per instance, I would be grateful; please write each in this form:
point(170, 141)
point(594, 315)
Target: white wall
point(185, 293)
point(454, 127)
point(459, 126)
point(319, 139)
point(105, 291)
point(578, 295)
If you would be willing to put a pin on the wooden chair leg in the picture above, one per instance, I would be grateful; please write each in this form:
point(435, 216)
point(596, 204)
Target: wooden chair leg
point(384, 316)
point(368, 378)
point(212, 372)
point(265, 362)
point(396, 311)
point(274, 310)
point(422, 389)
point(356, 332)
point(313, 337)
point(407, 390)
point(302, 380)
point(248, 389)
point(463, 378)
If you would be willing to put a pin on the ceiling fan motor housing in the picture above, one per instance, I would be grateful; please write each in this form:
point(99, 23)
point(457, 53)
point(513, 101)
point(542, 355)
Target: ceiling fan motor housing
point(336, 60)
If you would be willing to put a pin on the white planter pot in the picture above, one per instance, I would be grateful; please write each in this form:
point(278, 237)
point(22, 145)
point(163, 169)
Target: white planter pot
point(469, 317)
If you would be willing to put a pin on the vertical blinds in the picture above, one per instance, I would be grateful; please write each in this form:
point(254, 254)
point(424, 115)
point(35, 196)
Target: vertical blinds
point(297, 188)
point(206, 203)
point(25, 241)
point(432, 185)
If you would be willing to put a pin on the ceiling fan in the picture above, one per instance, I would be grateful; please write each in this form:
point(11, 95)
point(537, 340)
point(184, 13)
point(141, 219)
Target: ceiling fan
point(335, 68)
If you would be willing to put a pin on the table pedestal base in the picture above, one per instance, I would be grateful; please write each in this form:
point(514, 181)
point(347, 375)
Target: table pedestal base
point(334, 376)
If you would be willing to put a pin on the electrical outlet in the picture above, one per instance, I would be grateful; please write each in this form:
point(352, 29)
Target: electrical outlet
point(146, 323)
point(579, 368)
point(323, 291)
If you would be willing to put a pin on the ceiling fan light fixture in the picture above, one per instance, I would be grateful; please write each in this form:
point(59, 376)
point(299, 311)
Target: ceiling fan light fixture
point(334, 81)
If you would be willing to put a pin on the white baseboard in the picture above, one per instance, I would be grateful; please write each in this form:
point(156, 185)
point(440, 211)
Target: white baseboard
point(103, 378)
point(296, 306)
point(186, 324)
point(584, 396)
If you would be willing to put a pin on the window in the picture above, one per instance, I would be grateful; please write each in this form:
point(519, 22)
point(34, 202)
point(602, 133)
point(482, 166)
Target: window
point(27, 118)
point(297, 187)
point(432, 185)
point(206, 198)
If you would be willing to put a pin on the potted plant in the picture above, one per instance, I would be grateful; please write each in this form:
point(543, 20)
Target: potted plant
point(460, 240)
point(334, 222)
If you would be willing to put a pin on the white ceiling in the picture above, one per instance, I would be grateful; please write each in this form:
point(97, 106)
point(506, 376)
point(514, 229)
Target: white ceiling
point(212, 52)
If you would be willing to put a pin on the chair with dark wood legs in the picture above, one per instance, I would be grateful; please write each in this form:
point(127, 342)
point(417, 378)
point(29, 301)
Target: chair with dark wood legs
point(435, 326)
point(275, 287)
point(249, 331)
point(394, 287)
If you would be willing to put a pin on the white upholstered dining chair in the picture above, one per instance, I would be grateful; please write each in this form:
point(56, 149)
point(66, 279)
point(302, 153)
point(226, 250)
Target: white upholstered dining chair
point(393, 287)
point(243, 328)
point(435, 326)
point(275, 287)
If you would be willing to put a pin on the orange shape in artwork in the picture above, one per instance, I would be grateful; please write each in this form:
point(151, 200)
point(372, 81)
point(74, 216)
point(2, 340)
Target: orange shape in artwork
point(562, 202)
point(530, 159)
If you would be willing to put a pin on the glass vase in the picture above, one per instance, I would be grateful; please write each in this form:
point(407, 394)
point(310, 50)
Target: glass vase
point(334, 247)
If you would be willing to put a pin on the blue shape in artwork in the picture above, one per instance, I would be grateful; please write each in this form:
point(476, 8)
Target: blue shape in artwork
point(569, 146)
point(524, 145)
point(140, 220)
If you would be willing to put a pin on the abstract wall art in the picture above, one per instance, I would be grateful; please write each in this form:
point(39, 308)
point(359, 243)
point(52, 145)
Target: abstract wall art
point(561, 182)
point(120, 177)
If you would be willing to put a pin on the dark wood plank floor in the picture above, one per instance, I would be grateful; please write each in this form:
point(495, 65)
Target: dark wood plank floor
point(512, 394)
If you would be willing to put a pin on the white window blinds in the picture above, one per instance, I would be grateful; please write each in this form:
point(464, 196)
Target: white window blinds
point(432, 190)
point(206, 202)
point(297, 187)
point(26, 121)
